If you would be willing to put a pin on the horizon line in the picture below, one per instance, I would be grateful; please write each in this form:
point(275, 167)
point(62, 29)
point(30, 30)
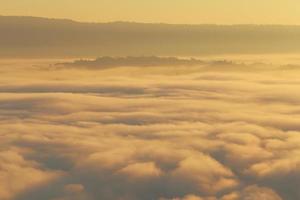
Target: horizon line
point(139, 22)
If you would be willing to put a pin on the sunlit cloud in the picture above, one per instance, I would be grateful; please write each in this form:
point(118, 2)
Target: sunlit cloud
point(155, 133)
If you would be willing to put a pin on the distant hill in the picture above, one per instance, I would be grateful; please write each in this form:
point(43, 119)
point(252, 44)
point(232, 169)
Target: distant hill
point(41, 37)
point(110, 62)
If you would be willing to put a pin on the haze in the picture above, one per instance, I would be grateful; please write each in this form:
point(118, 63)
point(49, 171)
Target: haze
point(43, 38)
point(167, 11)
point(175, 109)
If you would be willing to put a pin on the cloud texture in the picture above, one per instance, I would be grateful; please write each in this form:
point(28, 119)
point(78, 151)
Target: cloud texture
point(181, 133)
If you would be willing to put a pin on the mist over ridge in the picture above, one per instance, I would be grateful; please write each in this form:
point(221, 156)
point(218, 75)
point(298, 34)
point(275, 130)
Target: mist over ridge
point(137, 111)
point(42, 37)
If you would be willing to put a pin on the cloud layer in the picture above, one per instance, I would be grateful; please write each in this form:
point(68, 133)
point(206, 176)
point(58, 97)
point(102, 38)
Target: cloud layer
point(181, 133)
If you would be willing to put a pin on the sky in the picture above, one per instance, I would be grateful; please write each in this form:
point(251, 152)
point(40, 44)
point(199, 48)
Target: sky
point(166, 11)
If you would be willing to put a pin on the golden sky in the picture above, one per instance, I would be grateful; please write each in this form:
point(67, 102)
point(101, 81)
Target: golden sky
point(167, 11)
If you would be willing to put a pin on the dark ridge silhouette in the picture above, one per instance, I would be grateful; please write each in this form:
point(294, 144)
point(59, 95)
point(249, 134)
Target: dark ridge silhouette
point(41, 37)
point(143, 61)
point(108, 62)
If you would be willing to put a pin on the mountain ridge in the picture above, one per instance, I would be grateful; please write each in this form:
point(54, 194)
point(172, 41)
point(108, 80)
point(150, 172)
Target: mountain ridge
point(45, 37)
point(136, 22)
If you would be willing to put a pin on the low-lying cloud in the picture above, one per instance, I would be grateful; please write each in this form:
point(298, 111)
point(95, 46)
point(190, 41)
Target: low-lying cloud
point(149, 134)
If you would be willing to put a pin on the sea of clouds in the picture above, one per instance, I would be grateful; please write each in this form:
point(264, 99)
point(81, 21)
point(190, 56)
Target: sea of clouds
point(217, 131)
